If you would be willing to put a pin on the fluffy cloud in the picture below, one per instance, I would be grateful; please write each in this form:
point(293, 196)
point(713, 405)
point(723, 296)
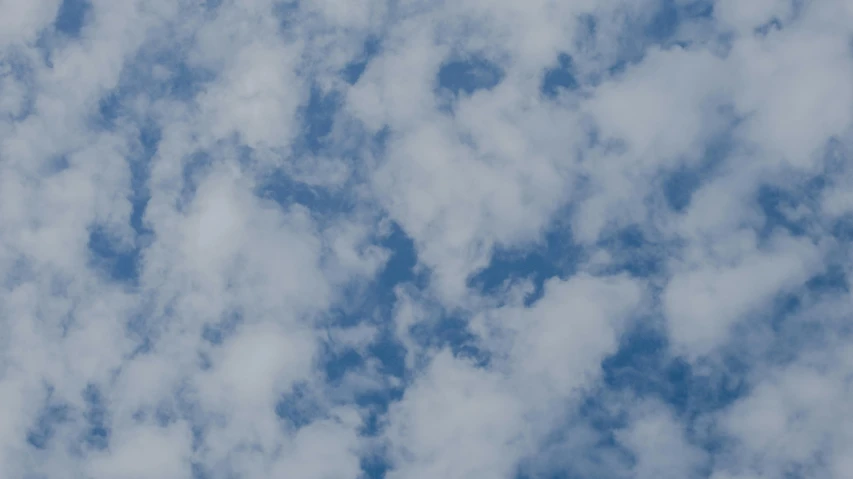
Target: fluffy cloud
point(264, 238)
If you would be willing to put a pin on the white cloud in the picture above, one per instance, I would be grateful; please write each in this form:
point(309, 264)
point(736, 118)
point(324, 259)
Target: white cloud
point(457, 421)
point(23, 21)
point(791, 91)
point(559, 343)
point(460, 420)
point(794, 418)
point(237, 303)
point(660, 445)
point(258, 96)
point(145, 451)
point(702, 304)
point(745, 16)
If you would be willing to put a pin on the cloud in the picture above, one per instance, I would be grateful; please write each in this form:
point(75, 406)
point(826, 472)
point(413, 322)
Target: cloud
point(468, 239)
point(660, 446)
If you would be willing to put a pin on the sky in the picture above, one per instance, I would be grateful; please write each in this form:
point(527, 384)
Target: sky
point(410, 239)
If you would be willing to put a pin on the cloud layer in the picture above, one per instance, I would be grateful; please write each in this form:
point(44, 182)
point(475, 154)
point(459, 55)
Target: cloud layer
point(419, 239)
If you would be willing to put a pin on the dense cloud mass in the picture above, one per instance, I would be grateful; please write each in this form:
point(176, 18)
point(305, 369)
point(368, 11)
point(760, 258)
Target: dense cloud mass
point(413, 239)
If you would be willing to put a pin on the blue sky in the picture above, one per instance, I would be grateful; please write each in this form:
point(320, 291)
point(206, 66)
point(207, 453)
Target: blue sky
point(375, 239)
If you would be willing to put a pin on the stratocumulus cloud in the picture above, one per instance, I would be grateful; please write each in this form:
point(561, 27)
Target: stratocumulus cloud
point(423, 239)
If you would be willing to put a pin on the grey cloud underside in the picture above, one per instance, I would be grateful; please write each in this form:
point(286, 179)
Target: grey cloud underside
point(420, 239)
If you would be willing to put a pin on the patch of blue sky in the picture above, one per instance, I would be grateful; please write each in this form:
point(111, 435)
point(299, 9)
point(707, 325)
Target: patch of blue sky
point(149, 139)
point(400, 267)
point(318, 118)
point(665, 22)
point(390, 353)
point(317, 138)
point(842, 228)
point(556, 256)
point(337, 364)
point(72, 17)
point(118, 261)
point(646, 366)
point(375, 306)
point(566, 474)
point(286, 191)
point(141, 326)
point(836, 159)
point(633, 253)
point(775, 23)
point(374, 302)
point(299, 407)
point(451, 332)
point(286, 12)
point(107, 255)
point(97, 434)
point(352, 71)
point(198, 471)
point(561, 77)
point(217, 332)
point(195, 169)
point(51, 416)
point(212, 4)
point(57, 164)
point(680, 184)
point(772, 25)
point(658, 28)
point(374, 463)
point(401, 270)
point(465, 76)
point(374, 468)
point(782, 208)
point(157, 72)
